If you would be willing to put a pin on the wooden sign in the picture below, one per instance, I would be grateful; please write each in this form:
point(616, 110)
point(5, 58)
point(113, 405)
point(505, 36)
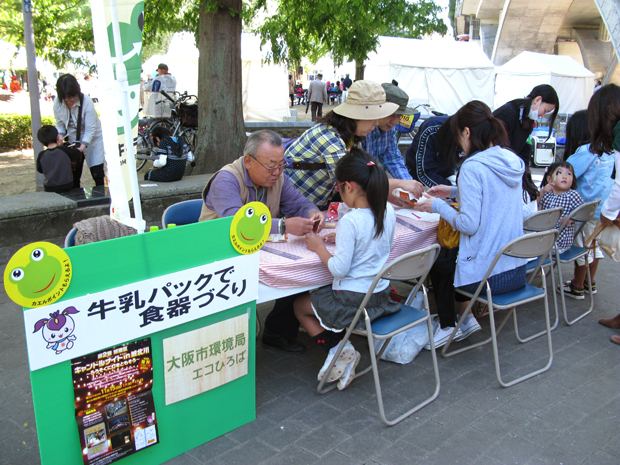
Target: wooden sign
point(203, 359)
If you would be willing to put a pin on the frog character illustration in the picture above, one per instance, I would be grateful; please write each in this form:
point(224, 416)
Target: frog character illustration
point(58, 329)
point(250, 227)
point(37, 275)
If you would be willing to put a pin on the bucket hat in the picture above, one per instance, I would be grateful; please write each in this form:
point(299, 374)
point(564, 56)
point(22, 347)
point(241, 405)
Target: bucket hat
point(398, 96)
point(366, 101)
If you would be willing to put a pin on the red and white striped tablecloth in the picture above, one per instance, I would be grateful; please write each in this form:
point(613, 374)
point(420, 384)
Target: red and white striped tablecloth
point(290, 264)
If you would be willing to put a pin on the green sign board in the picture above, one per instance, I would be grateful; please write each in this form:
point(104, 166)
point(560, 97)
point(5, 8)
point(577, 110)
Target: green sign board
point(181, 425)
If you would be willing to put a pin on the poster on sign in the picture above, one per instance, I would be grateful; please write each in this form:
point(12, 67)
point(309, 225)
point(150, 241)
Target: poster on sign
point(114, 406)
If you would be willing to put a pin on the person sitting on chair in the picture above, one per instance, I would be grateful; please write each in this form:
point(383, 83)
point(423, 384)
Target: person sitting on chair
point(258, 176)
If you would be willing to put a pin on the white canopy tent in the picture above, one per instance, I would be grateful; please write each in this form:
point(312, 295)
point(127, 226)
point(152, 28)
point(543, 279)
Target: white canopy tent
point(443, 73)
point(573, 83)
point(265, 86)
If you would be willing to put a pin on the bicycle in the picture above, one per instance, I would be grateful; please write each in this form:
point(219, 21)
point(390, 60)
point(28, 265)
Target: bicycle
point(182, 123)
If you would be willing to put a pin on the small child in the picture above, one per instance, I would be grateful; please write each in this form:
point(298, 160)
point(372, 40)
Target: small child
point(171, 162)
point(57, 163)
point(363, 244)
point(558, 190)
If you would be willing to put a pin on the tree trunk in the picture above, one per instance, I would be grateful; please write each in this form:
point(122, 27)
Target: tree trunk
point(359, 70)
point(221, 130)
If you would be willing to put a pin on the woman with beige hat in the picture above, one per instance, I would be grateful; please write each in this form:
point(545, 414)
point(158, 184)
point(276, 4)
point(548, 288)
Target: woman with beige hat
point(312, 158)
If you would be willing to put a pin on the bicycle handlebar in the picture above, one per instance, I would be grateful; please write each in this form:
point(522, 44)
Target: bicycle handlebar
point(165, 94)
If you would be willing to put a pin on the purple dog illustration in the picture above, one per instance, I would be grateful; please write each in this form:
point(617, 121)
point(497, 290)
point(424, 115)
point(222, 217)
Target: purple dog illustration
point(58, 330)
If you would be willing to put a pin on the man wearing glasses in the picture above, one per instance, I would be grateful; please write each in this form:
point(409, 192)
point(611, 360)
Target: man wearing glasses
point(258, 176)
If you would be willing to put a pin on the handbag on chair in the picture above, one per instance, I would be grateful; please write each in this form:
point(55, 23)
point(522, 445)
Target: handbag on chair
point(608, 238)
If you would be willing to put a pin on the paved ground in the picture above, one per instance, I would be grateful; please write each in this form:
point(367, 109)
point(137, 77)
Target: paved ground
point(569, 415)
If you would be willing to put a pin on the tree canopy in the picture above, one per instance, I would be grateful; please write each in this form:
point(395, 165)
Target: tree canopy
point(60, 26)
point(346, 29)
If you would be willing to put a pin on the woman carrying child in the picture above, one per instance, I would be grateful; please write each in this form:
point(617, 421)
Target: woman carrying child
point(170, 166)
point(558, 190)
point(363, 244)
point(594, 182)
point(489, 192)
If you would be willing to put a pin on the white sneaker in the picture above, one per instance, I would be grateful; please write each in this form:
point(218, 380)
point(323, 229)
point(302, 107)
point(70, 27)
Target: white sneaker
point(349, 372)
point(346, 356)
point(442, 335)
point(469, 327)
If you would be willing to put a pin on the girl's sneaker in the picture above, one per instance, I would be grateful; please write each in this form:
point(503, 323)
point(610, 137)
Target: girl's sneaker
point(586, 286)
point(442, 335)
point(349, 372)
point(469, 326)
point(346, 356)
point(572, 291)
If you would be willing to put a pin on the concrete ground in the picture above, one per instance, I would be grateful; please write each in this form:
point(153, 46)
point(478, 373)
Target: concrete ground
point(568, 415)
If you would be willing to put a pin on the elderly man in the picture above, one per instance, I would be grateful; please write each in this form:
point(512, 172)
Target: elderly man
point(257, 176)
point(382, 142)
point(164, 80)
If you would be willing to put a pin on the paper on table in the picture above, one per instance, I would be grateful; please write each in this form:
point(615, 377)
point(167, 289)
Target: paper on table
point(417, 215)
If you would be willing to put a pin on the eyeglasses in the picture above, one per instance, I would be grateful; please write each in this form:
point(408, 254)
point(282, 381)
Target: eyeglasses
point(271, 170)
point(337, 188)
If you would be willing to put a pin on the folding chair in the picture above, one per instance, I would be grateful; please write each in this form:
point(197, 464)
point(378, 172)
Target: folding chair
point(414, 265)
point(70, 238)
point(582, 215)
point(527, 246)
point(181, 213)
point(543, 220)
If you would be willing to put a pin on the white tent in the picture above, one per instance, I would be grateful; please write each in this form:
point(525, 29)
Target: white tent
point(573, 83)
point(264, 88)
point(443, 73)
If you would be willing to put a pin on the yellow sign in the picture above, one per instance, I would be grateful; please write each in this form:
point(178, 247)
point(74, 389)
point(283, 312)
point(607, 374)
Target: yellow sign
point(250, 228)
point(406, 121)
point(37, 275)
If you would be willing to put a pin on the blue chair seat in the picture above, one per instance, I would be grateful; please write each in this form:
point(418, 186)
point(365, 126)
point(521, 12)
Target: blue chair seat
point(526, 292)
point(532, 265)
point(389, 323)
point(573, 253)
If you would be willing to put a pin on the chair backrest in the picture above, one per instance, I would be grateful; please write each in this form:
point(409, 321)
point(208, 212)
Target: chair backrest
point(412, 265)
point(543, 220)
point(70, 239)
point(534, 245)
point(581, 214)
point(181, 213)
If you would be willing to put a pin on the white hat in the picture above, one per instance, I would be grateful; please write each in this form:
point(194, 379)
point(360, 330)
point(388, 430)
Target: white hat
point(366, 101)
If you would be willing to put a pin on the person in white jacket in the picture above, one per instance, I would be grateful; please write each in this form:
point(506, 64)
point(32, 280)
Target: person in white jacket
point(164, 80)
point(72, 109)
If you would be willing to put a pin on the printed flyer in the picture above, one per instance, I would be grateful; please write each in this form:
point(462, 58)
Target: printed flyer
point(114, 406)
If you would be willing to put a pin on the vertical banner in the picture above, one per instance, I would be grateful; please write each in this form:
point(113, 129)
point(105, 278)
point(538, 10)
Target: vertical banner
point(117, 28)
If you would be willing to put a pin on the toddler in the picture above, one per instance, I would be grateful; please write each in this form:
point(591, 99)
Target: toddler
point(558, 190)
point(170, 166)
point(57, 163)
point(363, 243)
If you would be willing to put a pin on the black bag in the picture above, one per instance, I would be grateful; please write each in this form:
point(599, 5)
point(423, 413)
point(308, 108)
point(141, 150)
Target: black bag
point(188, 115)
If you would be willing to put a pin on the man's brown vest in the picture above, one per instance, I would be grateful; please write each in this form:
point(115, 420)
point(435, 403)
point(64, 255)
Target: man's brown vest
point(236, 168)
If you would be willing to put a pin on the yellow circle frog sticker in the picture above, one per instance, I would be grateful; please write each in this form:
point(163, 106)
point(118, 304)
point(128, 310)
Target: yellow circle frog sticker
point(37, 275)
point(250, 228)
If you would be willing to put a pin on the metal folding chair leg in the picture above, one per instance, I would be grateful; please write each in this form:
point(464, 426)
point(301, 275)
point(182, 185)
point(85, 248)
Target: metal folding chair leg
point(563, 297)
point(555, 307)
point(496, 352)
point(375, 372)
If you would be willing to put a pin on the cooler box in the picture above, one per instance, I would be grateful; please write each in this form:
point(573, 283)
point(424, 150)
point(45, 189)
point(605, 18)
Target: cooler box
point(543, 148)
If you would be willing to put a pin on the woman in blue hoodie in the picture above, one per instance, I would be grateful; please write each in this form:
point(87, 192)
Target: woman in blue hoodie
point(490, 212)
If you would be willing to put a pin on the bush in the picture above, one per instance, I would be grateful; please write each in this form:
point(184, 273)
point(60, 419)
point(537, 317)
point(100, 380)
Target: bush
point(15, 132)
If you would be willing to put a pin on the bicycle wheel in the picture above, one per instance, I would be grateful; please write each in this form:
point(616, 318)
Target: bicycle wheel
point(143, 147)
